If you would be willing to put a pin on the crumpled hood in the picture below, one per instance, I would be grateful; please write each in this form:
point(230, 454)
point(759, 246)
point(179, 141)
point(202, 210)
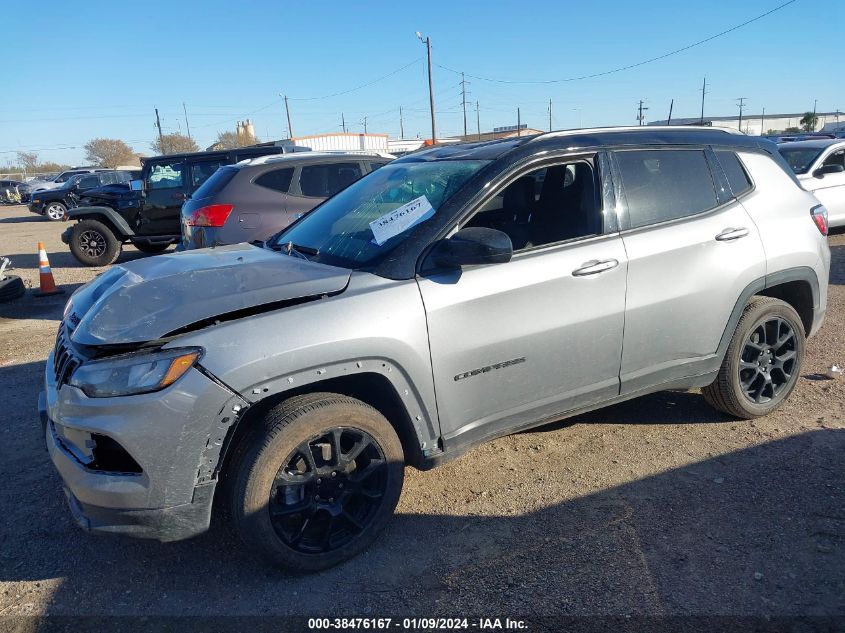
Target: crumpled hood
point(147, 299)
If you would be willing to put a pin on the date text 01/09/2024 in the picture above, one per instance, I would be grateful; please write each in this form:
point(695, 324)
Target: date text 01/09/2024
point(414, 624)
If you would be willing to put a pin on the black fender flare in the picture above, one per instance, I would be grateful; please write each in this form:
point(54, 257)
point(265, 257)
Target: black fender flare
point(103, 213)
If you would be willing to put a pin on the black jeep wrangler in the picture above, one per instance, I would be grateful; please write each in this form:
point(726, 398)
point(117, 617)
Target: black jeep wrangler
point(145, 212)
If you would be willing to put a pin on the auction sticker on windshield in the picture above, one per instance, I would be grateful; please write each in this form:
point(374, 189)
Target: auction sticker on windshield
point(401, 219)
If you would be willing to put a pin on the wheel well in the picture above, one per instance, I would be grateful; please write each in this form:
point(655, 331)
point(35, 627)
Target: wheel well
point(374, 389)
point(798, 294)
point(103, 219)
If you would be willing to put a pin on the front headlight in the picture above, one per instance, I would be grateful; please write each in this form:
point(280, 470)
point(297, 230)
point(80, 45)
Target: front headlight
point(138, 372)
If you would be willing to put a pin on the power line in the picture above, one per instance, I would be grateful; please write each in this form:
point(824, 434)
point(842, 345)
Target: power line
point(365, 85)
point(629, 66)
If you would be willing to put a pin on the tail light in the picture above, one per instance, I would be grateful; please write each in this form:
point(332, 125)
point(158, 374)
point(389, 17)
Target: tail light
point(819, 215)
point(211, 215)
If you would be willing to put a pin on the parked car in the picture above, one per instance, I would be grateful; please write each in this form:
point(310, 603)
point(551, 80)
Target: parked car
point(452, 296)
point(257, 198)
point(14, 191)
point(147, 214)
point(62, 178)
point(54, 203)
point(820, 168)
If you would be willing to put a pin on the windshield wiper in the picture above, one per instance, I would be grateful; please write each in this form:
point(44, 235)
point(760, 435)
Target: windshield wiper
point(295, 250)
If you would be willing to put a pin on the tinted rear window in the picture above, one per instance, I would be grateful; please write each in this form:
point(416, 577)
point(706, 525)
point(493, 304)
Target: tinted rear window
point(663, 185)
point(735, 172)
point(216, 182)
point(277, 180)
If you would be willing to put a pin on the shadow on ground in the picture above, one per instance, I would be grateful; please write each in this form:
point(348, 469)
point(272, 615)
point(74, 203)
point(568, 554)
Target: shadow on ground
point(837, 264)
point(755, 532)
point(64, 258)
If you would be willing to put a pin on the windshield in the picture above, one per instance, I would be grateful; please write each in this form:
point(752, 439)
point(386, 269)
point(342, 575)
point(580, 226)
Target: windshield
point(368, 219)
point(71, 181)
point(64, 176)
point(800, 159)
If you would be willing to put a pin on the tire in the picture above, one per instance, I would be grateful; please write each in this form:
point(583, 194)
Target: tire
point(762, 363)
point(151, 249)
point(94, 244)
point(55, 211)
point(11, 288)
point(270, 473)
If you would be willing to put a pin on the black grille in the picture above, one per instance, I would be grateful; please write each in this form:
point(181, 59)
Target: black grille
point(64, 360)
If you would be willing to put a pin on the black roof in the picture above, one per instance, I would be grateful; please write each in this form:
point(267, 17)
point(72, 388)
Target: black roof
point(590, 138)
point(240, 151)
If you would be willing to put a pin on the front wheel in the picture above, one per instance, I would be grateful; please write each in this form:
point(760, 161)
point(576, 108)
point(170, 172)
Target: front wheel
point(55, 211)
point(763, 360)
point(94, 244)
point(316, 481)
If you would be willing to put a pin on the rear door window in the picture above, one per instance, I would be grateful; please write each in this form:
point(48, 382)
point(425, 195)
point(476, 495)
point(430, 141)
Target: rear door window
point(277, 180)
point(737, 177)
point(200, 172)
point(662, 185)
point(325, 180)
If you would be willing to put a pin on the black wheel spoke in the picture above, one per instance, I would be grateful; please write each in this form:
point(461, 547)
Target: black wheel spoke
point(767, 361)
point(328, 490)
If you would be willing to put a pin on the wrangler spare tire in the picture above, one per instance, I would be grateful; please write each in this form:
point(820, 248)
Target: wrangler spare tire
point(11, 288)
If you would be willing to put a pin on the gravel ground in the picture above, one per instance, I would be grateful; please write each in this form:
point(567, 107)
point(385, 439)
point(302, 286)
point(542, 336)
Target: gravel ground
point(659, 506)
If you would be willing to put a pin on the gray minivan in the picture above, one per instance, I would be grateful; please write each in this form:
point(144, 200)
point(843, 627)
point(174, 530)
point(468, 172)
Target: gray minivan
point(257, 198)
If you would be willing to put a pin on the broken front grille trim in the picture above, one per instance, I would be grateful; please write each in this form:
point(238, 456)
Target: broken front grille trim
point(65, 361)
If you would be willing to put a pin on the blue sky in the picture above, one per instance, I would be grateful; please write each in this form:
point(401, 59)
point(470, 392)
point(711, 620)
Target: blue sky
point(228, 61)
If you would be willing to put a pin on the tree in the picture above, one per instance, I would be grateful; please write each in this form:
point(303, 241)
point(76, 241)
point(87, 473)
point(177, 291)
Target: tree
point(28, 160)
point(809, 121)
point(232, 140)
point(109, 152)
point(174, 144)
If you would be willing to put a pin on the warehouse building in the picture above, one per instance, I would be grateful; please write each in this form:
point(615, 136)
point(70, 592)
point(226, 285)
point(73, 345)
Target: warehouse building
point(760, 124)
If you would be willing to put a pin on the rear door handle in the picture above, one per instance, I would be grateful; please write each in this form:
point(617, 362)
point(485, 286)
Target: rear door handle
point(594, 266)
point(732, 234)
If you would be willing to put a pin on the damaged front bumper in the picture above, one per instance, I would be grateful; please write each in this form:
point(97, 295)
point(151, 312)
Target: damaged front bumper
point(156, 470)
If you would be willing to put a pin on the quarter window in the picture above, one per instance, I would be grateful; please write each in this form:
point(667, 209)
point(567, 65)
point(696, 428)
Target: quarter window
point(277, 180)
point(322, 181)
point(735, 172)
point(663, 185)
point(837, 158)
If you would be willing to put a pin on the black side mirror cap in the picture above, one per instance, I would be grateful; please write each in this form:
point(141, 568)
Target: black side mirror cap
point(473, 246)
point(821, 172)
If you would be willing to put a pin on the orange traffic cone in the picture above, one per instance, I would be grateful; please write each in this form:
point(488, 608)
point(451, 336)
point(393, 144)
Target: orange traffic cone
point(48, 284)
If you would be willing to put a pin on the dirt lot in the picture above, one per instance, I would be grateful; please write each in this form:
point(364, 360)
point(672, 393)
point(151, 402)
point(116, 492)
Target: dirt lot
point(658, 506)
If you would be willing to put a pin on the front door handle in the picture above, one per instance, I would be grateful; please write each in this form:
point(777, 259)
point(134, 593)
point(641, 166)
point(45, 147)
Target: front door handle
point(594, 266)
point(732, 234)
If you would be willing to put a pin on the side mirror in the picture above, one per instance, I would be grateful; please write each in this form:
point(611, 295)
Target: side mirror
point(472, 246)
point(136, 185)
point(828, 169)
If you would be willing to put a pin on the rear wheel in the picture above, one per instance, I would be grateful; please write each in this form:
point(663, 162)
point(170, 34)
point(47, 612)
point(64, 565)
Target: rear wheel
point(55, 211)
point(763, 360)
point(94, 244)
point(316, 482)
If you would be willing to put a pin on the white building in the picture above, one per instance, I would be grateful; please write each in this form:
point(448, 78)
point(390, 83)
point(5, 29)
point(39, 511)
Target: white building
point(759, 124)
point(344, 142)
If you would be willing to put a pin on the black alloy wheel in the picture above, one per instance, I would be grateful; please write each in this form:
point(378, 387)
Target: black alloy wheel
point(328, 490)
point(768, 360)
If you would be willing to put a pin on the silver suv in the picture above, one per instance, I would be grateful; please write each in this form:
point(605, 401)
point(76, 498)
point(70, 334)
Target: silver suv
point(450, 297)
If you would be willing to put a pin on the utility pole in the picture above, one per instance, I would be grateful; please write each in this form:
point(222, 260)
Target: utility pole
point(741, 103)
point(401, 124)
point(464, 101)
point(365, 125)
point(287, 111)
point(427, 42)
point(160, 139)
point(815, 103)
point(343, 122)
point(518, 123)
point(671, 105)
point(550, 115)
point(640, 115)
point(187, 125)
point(477, 121)
point(703, 92)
